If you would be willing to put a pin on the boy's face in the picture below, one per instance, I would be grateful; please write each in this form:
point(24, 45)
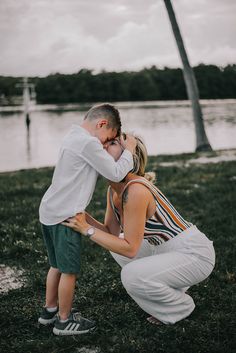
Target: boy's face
point(105, 134)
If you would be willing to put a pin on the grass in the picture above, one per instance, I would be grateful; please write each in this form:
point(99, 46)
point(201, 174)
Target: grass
point(204, 194)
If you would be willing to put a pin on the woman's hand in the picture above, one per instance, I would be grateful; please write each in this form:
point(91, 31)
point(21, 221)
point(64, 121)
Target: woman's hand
point(129, 143)
point(78, 223)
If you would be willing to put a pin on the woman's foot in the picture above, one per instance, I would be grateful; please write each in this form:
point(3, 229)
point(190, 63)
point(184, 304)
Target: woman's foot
point(154, 321)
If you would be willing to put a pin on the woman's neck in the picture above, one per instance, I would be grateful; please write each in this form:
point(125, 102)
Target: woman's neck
point(119, 187)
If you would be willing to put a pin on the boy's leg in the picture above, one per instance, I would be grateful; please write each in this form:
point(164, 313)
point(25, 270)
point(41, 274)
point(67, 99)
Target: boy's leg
point(67, 245)
point(48, 315)
point(52, 283)
point(70, 322)
point(66, 294)
point(63, 247)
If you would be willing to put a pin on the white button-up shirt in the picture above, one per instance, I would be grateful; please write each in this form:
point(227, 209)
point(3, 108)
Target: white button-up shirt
point(81, 158)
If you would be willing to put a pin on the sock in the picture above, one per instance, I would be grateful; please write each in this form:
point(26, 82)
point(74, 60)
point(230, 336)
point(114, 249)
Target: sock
point(63, 320)
point(51, 310)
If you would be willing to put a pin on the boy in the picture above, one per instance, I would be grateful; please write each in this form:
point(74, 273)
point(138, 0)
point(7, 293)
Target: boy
point(81, 158)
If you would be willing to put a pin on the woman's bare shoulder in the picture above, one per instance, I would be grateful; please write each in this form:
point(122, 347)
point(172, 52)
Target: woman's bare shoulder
point(134, 192)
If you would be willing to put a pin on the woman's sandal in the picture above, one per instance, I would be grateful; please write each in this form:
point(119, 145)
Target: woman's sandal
point(154, 321)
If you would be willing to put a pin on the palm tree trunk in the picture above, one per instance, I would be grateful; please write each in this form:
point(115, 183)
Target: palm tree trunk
point(202, 143)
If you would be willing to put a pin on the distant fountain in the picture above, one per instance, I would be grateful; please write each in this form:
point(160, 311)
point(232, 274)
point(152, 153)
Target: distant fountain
point(28, 94)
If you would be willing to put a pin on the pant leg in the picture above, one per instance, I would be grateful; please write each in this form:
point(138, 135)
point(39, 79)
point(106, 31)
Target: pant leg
point(157, 283)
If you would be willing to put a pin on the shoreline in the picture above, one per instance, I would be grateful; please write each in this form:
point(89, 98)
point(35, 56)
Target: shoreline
point(66, 107)
point(184, 159)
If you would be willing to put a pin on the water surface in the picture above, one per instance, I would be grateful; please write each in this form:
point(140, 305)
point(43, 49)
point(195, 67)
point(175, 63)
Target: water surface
point(166, 127)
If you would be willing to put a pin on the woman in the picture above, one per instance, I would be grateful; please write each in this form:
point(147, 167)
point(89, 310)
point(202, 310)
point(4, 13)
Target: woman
point(161, 254)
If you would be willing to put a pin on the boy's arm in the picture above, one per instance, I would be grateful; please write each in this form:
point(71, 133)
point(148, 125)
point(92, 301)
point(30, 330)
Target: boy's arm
point(103, 162)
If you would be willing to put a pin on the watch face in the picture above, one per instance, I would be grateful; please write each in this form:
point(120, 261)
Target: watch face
point(90, 231)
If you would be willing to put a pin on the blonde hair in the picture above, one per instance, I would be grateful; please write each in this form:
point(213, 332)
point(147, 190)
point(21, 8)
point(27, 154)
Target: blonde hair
point(140, 158)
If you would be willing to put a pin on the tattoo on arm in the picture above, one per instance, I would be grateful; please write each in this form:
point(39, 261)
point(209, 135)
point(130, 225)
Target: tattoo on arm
point(125, 197)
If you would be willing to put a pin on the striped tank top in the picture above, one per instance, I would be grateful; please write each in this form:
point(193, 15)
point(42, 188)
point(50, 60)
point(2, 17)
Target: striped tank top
point(166, 222)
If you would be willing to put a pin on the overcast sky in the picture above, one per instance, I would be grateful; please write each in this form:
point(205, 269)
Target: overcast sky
point(39, 37)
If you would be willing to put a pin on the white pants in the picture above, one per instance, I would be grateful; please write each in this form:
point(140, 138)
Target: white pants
point(158, 276)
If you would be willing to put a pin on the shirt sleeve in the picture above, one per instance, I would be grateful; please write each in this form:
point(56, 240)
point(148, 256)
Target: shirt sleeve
point(103, 162)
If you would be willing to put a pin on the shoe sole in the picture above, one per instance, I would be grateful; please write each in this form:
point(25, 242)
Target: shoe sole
point(46, 322)
point(71, 333)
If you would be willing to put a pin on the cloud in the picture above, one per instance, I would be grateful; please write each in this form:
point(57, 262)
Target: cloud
point(40, 37)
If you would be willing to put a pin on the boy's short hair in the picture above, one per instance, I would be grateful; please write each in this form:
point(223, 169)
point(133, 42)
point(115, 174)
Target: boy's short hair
point(105, 111)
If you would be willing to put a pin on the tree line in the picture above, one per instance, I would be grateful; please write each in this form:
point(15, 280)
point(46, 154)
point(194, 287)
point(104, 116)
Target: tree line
point(148, 84)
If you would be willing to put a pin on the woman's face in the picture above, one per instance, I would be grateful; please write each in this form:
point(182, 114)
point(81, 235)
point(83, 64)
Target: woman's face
point(114, 148)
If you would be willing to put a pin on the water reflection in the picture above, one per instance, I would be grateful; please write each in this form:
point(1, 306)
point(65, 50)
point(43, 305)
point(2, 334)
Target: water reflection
point(27, 121)
point(166, 128)
point(28, 149)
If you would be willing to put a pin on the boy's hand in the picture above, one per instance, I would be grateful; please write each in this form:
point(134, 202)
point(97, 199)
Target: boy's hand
point(129, 143)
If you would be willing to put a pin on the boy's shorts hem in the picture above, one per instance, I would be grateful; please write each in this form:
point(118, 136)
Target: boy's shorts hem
point(68, 272)
point(63, 247)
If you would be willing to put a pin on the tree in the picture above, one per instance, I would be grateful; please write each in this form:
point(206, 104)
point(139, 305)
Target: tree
point(202, 143)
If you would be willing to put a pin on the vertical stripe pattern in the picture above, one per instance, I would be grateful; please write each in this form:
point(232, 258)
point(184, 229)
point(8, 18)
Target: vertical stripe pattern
point(166, 222)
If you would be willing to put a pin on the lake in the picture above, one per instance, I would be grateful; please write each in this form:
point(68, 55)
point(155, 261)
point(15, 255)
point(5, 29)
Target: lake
point(166, 127)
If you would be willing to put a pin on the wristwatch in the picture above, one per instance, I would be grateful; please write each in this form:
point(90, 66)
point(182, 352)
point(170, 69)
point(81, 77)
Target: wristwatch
point(90, 232)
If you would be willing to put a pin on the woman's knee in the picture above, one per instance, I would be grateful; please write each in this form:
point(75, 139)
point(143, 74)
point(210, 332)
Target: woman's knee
point(129, 277)
point(133, 278)
point(138, 284)
point(121, 260)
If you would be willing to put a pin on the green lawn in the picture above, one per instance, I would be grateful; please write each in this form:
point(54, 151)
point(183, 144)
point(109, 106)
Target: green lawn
point(204, 194)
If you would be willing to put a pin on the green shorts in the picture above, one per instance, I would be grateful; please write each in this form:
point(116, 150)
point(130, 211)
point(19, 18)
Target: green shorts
point(63, 246)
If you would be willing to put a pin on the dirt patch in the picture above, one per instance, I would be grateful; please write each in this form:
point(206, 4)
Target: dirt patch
point(10, 278)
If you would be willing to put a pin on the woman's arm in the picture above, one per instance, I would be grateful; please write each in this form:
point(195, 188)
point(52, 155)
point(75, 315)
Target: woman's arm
point(93, 222)
point(134, 223)
point(110, 224)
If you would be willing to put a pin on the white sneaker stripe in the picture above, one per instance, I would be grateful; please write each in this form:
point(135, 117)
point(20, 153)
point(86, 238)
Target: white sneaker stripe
point(73, 326)
point(77, 326)
point(69, 326)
